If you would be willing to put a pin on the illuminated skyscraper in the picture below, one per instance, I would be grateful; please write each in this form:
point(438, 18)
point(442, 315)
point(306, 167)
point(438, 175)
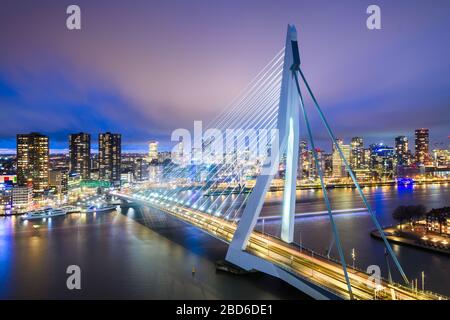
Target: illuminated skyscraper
point(179, 156)
point(109, 157)
point(339, 170)
point(80, 154)
point(153, 151)
point(421, 145)
point(357, 153)
point(32, 161)
point(401, 150)
point(382, 158)
point(304, 160)
point(441, 158)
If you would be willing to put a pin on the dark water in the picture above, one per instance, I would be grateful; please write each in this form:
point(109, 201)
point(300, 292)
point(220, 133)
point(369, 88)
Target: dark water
point(120, 258)
point(354, 229)
point(147, 255)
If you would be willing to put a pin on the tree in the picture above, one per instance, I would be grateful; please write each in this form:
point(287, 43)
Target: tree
point(417, 212)
point(400, 214)
point(411, 213)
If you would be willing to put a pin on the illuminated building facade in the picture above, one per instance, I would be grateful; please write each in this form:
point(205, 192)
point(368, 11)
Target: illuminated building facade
point(153, 151)
point(58, 181)
point(33, 161)
point(339, 170)
point(80, 155)
point(421, 145)
point(382, 161)
point(109, 157)
point(441, 158)
point(357, 153)
point(402, 151)
point(22, 197)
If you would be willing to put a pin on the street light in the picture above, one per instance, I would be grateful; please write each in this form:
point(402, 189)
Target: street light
point(353, 257)
point(423, 280)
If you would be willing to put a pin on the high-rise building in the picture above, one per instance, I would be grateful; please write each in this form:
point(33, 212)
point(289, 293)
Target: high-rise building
point(180, 157)
point(109, 157)
point(304, 160)
point(357, 153)
point(441, 158)
point(314, 172)
point(6, 203)
point(339, 170)
point(153, 151)
point(328, 164)
point(80, 154)
point(58, 181)
point(140, 172)
point(421, 145)
point(382, 161)
point(401, 150)
point(33, 161)
point(22, 197)
point(165, 157)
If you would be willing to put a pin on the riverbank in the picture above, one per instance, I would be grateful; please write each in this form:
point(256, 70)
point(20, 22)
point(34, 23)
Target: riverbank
point(412, 240)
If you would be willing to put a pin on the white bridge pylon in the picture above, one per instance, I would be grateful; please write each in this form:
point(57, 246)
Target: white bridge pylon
point(290, 104)
point(288, 141)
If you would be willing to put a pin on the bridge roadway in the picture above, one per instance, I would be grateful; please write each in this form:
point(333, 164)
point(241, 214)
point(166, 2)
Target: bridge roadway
point(319, 271)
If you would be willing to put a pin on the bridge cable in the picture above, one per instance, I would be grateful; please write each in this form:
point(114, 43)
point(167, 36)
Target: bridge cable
point(352, 175)
point(324, 190)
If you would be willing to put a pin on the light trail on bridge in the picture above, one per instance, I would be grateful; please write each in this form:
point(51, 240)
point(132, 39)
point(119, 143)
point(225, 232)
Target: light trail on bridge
point(317, 270)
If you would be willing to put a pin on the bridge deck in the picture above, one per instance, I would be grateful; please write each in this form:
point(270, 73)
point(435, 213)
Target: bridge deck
point(321, 272)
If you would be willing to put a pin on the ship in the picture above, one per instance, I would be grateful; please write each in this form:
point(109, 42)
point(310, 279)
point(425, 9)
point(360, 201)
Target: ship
point(43, 213)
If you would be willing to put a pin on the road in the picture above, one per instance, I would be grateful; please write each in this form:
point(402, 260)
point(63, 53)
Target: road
point(320, 271)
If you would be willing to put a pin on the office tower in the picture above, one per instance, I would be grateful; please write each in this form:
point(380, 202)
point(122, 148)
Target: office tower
point(80, 155)
point(367, 159)
point(140, 172)
point(153, 151)
point(165, 157)
point(109, 157)
point(22, 197)
point(58, 181)
point(421, 145)
point(441, 158)
point(339, 170)
point(357, 153)
point(401, 150)
point(382, 161)
point(6, 203)
point(304, 160)
point(179, 157)
point(314, 172)
point(33, 161)
point(328, 164)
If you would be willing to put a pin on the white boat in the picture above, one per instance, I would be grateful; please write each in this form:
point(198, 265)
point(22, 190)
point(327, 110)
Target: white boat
point(100, 208)
point(70, 209)
point(44, 213)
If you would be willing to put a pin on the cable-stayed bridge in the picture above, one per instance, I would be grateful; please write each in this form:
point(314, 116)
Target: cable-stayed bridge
point(220, 183)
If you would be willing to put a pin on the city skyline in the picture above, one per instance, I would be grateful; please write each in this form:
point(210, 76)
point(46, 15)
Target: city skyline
point(231, 150)
point(140, 100)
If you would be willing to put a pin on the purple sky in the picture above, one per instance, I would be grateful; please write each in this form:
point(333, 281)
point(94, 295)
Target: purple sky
point(144, 68)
